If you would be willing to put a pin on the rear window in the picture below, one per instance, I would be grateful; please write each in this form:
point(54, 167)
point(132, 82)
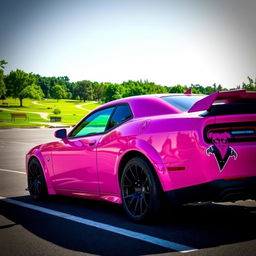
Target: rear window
point(182, 103)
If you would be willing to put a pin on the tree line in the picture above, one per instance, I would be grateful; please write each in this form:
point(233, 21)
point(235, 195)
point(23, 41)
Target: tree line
point(19, 84)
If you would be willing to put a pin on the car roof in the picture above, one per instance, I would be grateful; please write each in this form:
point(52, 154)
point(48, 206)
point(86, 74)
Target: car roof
point(148, 105)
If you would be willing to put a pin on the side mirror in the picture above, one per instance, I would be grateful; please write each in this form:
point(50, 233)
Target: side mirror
point(61, 134)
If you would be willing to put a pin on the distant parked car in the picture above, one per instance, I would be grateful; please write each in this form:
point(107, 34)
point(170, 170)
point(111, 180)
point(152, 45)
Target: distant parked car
point(136, 151)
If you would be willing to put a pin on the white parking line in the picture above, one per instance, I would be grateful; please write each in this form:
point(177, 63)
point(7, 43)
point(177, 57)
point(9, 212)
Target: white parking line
point(121, 231)
point(5, 170)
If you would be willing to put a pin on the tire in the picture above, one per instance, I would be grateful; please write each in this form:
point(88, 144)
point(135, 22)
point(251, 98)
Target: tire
point(36, 181)
point(141, 191)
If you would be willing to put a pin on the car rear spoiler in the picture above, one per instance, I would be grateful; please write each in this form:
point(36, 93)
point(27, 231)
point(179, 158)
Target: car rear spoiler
point(226, 96)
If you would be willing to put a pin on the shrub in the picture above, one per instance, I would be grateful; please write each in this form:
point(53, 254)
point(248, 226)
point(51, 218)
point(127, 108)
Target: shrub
point(56, 111)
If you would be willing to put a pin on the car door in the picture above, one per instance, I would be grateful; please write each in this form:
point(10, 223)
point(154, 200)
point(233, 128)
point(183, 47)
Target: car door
point(74, 157)
point(109, 148)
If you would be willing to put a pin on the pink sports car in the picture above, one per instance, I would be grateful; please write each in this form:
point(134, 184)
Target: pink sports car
point(140, 150)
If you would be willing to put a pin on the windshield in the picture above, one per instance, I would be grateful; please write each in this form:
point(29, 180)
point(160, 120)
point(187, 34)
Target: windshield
point(183, 102)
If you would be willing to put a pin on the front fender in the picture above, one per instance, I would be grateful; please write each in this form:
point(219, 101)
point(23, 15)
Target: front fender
point(46, 166)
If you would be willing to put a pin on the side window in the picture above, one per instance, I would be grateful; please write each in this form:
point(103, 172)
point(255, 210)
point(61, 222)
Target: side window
point(94, 124)
point(121, 114)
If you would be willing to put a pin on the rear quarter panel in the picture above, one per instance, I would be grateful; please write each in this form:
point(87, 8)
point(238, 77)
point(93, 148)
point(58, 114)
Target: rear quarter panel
point(179, 142)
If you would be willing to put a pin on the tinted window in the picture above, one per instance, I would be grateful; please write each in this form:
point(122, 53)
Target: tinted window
point(121, 114)
point(94, 124)
point(183, 103)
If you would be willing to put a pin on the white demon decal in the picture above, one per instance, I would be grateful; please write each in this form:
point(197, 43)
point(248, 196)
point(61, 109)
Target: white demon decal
point(220, 148)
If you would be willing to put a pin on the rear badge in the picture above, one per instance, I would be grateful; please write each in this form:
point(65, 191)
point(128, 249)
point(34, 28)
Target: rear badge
point(220, 148)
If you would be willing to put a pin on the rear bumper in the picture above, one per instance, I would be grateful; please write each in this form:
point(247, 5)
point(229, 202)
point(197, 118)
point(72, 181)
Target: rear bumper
point(215, 191)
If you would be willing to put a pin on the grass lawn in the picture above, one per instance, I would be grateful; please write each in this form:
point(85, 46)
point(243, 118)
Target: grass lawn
point(70, 113)
point(32, 120)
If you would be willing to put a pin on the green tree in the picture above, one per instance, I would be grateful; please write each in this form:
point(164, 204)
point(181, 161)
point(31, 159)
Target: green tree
point(113, 92)
point(197, 88)
point(3, 63)
point(98, 89)
point(84, 90)
point(58, 92)
point(44, 83)
point(209, 90)
point(47, 83)
point(32, 91)
point(89, 92)
point(16, 81)
point(2, 83)
point(153, 88)
point(132, 88)
point(177, 89)
point(251, 86)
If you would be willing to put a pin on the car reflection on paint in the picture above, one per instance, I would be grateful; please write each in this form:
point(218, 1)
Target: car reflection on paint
point(148, 151)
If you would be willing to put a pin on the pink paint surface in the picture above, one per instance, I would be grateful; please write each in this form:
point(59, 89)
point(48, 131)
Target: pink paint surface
point(167, 137)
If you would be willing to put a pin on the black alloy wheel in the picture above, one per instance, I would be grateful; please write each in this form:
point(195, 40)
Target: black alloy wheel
point(36, 181)
point(141, 193)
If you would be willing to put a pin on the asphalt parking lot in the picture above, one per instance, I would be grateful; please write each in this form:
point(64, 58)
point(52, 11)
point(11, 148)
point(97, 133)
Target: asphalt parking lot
point(71, 226)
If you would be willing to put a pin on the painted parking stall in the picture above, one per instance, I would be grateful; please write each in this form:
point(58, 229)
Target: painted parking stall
point(90, 227)
point(124, 232)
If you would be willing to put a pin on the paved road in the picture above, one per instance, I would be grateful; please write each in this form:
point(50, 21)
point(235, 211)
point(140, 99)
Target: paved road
point(61, 226)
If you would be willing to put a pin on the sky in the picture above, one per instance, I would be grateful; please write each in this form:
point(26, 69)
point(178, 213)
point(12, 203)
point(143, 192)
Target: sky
point(164, 41)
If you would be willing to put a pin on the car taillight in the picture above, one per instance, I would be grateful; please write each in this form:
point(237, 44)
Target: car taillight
point(238, 132)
